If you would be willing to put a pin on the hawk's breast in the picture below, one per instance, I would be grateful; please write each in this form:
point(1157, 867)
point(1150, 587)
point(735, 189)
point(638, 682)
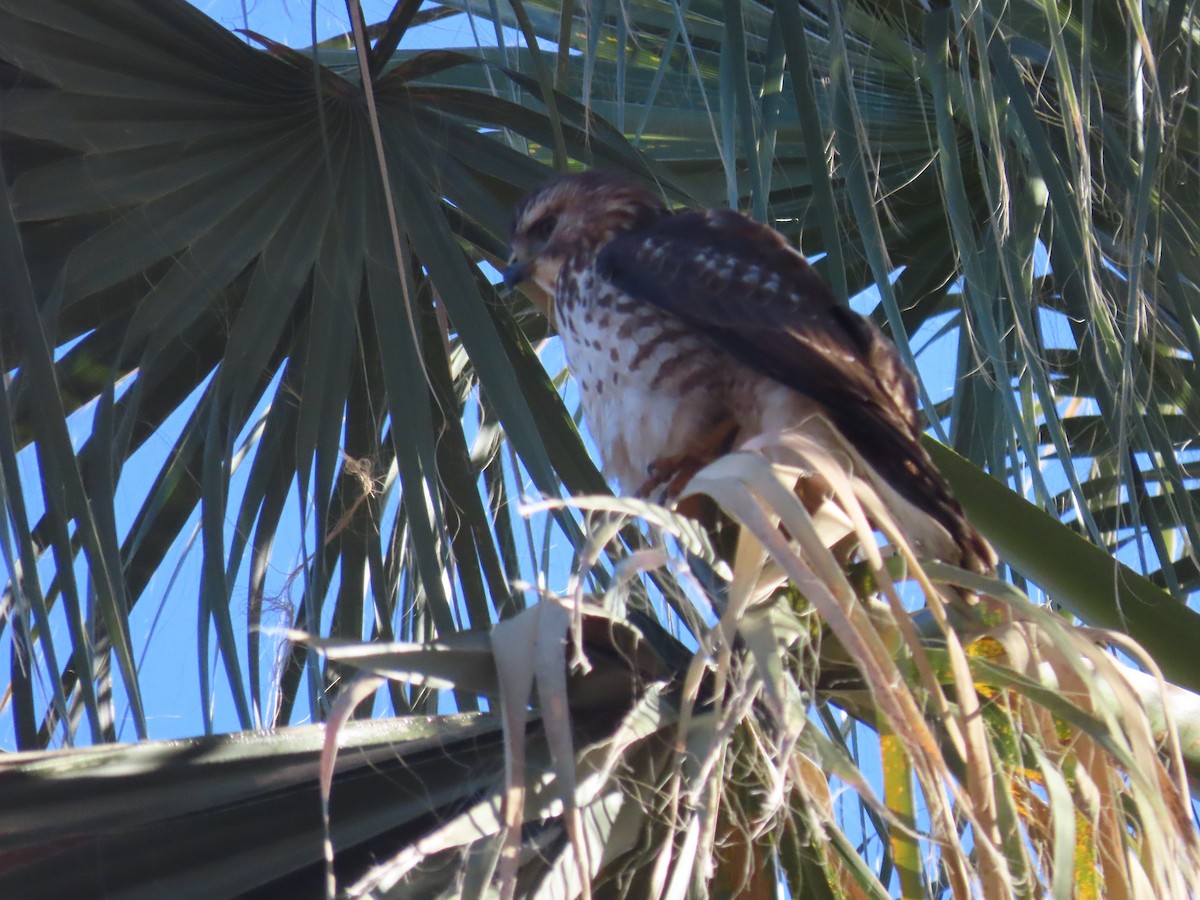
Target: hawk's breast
point(650, 387)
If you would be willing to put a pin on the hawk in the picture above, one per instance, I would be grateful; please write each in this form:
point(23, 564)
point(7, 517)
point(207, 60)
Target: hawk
point(692, 332)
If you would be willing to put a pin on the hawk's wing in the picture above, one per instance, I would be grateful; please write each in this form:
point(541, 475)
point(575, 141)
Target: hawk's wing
point(738, 283)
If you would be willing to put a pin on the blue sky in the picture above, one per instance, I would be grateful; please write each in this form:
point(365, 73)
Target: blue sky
point(290, 21)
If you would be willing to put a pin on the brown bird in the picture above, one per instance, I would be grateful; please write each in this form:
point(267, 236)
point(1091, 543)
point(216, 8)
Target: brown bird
point(690, 333)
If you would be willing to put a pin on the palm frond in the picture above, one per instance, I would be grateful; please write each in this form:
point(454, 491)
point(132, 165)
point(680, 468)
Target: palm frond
point(245, 307)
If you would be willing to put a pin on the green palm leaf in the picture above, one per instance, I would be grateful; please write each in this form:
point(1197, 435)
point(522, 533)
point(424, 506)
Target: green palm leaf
point(232, 245)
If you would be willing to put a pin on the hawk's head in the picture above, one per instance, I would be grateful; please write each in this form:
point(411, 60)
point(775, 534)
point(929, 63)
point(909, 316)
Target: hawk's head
point(570, 215)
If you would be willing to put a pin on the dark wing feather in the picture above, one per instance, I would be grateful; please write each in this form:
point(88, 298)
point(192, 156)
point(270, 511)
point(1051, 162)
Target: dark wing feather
point(740, 284)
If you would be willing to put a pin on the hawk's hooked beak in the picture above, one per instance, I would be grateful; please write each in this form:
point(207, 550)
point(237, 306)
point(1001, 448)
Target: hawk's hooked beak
point(515, 272)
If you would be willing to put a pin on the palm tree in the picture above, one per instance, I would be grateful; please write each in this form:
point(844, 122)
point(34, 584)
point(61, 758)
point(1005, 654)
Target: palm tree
point(273, 263)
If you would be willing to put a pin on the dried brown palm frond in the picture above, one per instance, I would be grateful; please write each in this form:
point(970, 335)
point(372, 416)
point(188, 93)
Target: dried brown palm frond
point(1012, 755)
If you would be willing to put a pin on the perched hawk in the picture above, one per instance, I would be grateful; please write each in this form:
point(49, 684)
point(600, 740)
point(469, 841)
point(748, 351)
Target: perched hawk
point(691, 332)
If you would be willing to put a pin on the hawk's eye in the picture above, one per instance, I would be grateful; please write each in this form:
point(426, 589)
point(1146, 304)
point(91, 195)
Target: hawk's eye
point(543, 227)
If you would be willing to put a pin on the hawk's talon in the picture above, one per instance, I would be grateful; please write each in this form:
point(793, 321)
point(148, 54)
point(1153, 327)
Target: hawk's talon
point(657, 475)
point(677, 470)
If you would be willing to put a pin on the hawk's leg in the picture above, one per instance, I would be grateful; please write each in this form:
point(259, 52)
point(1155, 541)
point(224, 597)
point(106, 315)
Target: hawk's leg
point(672, 473)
